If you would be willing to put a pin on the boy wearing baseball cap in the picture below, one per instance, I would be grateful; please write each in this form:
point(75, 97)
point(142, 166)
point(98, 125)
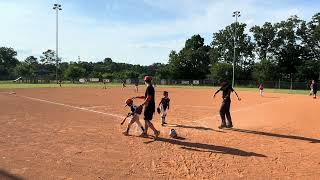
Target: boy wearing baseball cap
point(134, 116)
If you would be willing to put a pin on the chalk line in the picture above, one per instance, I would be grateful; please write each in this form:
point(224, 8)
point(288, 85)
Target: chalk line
point(74, 107)
point(92, 107)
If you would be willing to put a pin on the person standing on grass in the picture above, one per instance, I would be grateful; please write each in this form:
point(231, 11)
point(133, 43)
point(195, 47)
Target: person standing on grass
point(314, 89)
point(149, 107)
point(226, 89)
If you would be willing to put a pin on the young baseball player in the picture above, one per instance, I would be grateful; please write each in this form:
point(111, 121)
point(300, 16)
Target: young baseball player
point(123, 84)
point(226, 89)
point(104, 85)
point(261, 89)
point(311, 88)
point(163, 107)
point(314, 88)
point(134, 116)
point(136, 86)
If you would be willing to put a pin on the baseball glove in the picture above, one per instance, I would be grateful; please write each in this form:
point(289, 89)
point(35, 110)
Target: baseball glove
point(139, 109)
point(158, 110)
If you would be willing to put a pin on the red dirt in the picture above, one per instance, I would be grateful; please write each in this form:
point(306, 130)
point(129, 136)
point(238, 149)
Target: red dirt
point(274, 137)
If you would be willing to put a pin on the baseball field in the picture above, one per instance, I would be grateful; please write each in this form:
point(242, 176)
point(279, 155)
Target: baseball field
point(75, 133)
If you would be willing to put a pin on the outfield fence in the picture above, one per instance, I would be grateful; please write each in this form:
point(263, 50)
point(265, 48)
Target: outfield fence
point(280, 84)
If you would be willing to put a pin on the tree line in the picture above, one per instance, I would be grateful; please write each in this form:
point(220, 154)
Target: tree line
point(287, 50)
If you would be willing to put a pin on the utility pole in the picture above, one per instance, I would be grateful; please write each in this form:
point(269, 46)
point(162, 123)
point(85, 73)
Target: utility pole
point(236, 14)
point(57, 8)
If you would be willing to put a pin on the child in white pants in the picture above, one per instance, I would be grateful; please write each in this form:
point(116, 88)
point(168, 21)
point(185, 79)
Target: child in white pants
point(134, 116)
point(163, 107)
point(261, 89)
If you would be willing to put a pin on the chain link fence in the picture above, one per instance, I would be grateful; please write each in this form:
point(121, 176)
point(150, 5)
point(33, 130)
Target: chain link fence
point(280, 84)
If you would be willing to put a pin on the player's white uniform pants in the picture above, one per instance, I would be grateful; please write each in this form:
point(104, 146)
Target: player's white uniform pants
point(163, 113)
point(261, 92)
point(135, 119)
point(311, 92)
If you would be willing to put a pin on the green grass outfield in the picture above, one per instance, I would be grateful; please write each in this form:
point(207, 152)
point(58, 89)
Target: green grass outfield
point(11, 86)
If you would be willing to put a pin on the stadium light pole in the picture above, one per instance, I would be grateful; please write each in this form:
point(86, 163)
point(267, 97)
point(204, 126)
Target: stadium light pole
point(57, 8)
point(236, 14)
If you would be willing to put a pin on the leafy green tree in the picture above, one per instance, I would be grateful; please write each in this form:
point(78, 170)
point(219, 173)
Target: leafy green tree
point(107, 76)
point(223, 43)
point(163, 72)
point(265, 70)
point(221, 71)
point(23, 70)
point(31, 60)
point(288, 51)
point(264, 37)
point(310, 36)
point(74, 72)
point(223, 49)
point(192, 61)
point(48, 57)
point(8, 62)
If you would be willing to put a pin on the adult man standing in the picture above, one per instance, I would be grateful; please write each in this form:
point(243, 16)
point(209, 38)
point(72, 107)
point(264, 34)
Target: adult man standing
point(226, 89)
point(149, 107)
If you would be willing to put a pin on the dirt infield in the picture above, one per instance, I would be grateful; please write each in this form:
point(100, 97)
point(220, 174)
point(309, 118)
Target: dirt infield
point(75, 133)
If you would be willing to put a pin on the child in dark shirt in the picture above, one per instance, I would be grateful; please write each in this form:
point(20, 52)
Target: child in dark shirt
point(163, 107)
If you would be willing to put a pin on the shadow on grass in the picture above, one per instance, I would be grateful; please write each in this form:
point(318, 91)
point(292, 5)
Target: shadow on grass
point(4, 175)
point(311, 140)
point(201, 147)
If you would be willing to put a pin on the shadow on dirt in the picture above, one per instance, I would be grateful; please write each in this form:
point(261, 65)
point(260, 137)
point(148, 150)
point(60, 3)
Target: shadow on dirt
point(276, 135)
point(194, 127)
point(271, 97)
point(201, 147)
point(4, 175)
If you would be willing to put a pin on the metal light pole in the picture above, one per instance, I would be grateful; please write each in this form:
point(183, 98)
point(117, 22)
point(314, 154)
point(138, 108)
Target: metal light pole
point(57, 8)
point(236, 14)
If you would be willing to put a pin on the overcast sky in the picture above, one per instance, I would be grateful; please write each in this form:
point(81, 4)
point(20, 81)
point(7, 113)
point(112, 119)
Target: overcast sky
point(132, 31)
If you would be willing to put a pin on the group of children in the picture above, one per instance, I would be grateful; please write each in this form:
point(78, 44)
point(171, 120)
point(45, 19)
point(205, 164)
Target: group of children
point(164, 106)
point(313, 89)
point(162, 109)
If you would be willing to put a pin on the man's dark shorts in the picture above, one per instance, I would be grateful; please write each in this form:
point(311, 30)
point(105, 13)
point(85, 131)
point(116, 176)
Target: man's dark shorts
point(148, 115)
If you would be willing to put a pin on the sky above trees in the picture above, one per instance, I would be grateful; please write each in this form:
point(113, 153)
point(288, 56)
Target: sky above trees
point(137, 32)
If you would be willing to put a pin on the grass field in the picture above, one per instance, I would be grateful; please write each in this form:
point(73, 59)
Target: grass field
point(10, 85)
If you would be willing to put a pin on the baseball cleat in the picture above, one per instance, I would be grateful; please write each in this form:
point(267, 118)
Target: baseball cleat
point(156, 135)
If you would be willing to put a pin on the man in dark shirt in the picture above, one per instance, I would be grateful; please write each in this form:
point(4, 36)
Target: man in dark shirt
point(314, 88)
point(226, 89)
point(149, 107)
